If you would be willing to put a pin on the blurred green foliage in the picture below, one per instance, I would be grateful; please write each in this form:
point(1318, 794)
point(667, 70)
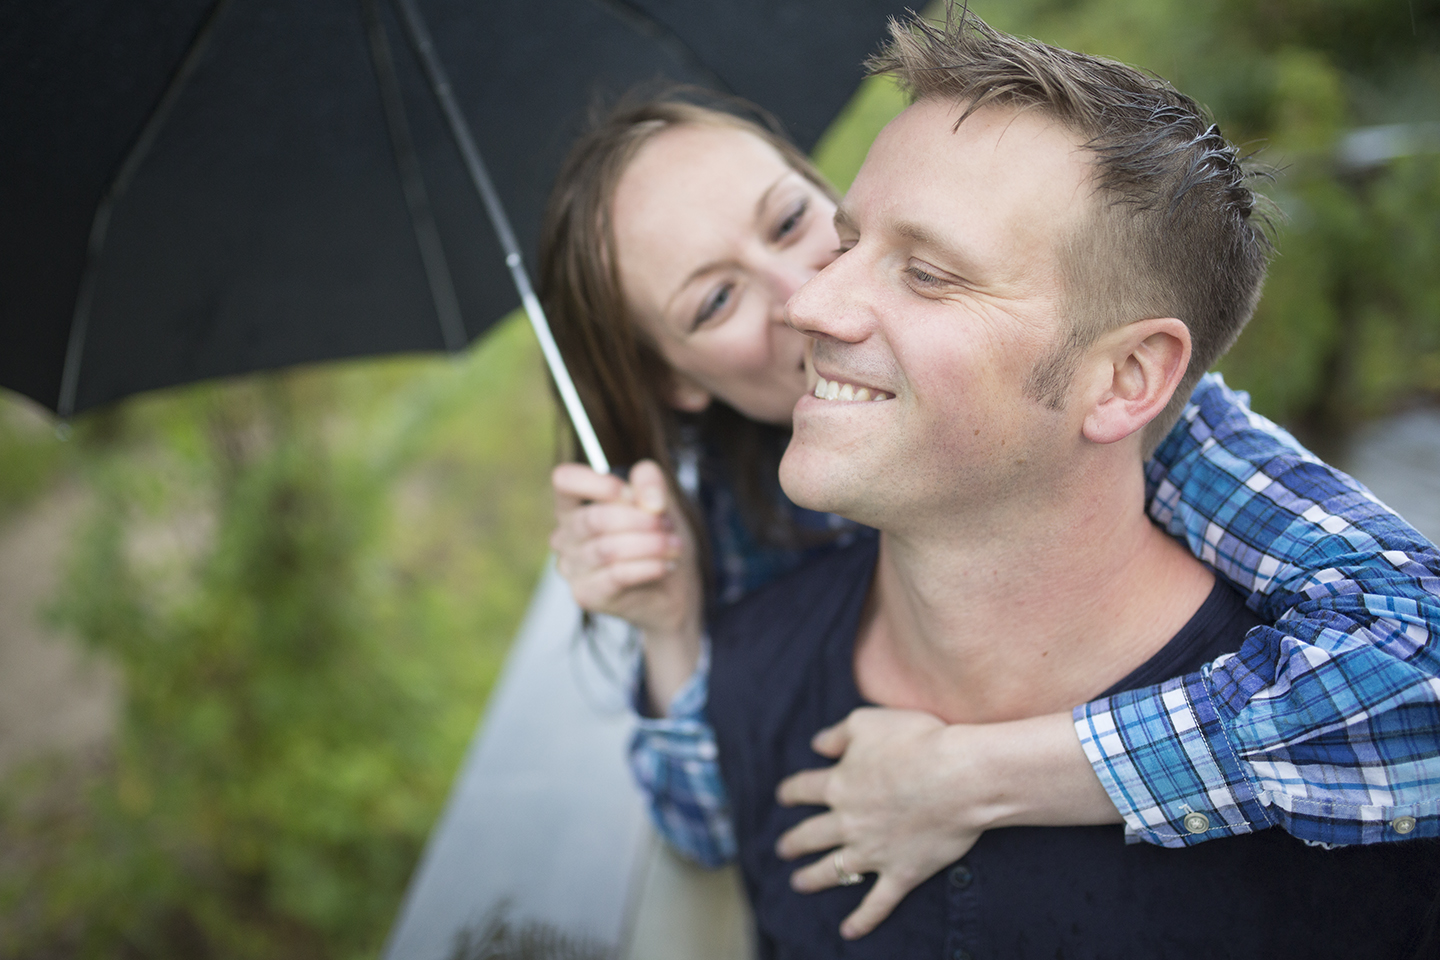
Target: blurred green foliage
point(31, 456)
point(1349, 325)
point(309, 581)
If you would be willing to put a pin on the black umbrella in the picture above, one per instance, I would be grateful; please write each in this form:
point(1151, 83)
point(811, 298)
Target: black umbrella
point(209, 187)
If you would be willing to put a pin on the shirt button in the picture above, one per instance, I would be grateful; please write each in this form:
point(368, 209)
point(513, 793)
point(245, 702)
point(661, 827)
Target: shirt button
point(961, 876)
point(1403, 825)
point(1196, 822)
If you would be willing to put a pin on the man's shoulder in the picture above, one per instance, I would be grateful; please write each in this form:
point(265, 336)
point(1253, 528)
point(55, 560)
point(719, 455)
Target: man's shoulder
point(1218, 627)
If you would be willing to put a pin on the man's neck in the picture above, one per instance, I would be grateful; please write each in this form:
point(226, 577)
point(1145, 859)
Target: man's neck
point(1044, 617)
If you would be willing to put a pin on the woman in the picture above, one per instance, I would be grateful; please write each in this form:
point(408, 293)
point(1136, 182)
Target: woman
point(672, 243)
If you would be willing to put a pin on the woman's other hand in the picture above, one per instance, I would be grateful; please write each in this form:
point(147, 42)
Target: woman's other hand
point(626, 551)
point(910, 795)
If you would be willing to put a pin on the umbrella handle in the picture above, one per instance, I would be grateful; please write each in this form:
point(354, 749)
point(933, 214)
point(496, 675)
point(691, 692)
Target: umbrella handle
point(419, 36)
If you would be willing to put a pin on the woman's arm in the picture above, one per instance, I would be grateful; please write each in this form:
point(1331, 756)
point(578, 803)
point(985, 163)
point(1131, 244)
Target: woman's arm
point(1326, 724)
point(674, 762)
point(625, 554)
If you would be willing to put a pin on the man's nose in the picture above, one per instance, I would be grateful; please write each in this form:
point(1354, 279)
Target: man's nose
point(829, 305)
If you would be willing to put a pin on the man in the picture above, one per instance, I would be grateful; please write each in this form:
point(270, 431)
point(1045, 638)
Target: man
point(1041, 256)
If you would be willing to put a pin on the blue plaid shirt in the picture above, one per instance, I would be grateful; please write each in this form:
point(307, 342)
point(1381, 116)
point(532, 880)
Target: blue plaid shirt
point(1326, 724)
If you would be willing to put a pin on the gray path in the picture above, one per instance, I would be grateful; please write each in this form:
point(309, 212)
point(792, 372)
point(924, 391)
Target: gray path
point(543, 819)
point(53, 697)
point(545, 827)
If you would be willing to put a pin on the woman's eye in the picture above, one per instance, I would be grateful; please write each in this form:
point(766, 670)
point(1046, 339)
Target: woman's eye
point(792, 220)
point(713, 304)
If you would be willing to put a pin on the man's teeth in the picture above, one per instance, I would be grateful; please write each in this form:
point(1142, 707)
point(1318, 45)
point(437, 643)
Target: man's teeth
point(835, 390)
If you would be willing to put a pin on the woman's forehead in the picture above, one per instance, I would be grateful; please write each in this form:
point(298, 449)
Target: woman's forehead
point(690, 195)
point(695, 163)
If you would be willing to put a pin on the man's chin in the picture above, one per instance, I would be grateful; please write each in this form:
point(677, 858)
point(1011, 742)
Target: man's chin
point(810, 484)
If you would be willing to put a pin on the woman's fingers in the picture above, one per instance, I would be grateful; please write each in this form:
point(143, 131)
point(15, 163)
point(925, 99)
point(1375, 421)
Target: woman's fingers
point(648, 484)
point(807, 786)
point(882, 899)
point(616, 547)
point(889, 888)
point(599, 589)
point(576, 484)
point(583, 524)
point(627, 552)
point(906, 797)
point(832, 741)
point(820, 832)
point(823, 874)
point(619, 561)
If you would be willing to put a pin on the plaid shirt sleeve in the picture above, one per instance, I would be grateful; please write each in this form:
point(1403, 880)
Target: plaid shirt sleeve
point(674, 761)
point(1326, 724)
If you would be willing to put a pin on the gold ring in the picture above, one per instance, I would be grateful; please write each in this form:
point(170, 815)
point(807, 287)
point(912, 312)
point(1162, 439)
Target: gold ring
point(842, 876)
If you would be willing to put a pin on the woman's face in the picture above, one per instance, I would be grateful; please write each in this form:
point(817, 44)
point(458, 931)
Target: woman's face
point(713, 233)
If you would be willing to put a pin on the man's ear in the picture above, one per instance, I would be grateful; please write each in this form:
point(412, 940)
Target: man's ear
point(1135, 370)
point(686, 395)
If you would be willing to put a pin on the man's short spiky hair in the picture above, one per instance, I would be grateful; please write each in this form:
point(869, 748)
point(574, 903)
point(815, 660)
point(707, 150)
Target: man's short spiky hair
point(1174, 232)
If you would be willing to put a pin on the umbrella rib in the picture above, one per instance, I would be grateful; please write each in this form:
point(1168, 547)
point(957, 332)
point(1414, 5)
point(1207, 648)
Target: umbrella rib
point(100, 226)
point(412, 180)
point(424, 47)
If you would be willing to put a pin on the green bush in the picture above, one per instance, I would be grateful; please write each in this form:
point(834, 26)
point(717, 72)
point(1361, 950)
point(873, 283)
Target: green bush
point(304, 662)
point(31, 455)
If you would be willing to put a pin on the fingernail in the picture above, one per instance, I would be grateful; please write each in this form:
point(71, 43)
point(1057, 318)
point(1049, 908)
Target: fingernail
point(652, 500)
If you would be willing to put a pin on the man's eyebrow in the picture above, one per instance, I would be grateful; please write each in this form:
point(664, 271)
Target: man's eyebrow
point(908, 229)
point(919, 234)
point(950, 255)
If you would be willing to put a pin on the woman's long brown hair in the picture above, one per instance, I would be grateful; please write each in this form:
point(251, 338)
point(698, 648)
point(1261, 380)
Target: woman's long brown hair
point(619, 374)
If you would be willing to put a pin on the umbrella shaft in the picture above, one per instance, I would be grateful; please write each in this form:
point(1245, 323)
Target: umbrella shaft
point(419, 35)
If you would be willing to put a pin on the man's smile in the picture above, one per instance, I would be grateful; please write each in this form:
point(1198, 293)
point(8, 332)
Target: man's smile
point(836, 390)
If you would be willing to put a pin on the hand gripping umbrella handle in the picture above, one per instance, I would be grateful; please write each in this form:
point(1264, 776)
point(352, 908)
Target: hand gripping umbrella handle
point(419, 36)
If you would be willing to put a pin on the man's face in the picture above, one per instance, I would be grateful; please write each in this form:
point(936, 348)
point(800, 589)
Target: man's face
point(946, 295)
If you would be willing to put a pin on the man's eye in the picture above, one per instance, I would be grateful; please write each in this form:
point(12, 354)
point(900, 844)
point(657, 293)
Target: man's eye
point(921, 276)
point(713, 304)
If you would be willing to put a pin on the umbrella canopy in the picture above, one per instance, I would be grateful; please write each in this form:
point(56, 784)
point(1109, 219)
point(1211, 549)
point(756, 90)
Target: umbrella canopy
point(209, 187)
